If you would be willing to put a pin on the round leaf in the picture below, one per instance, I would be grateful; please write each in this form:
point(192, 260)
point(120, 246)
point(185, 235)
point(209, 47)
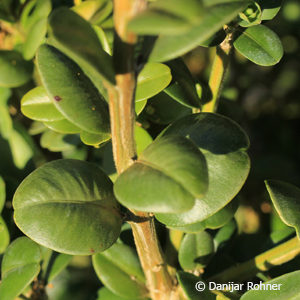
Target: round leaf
point(37, 105)
point(80, 217)
point(286, 199)
point(224, 145)
point(14, 70)
point(71, 91)
point(168, 176)
point(119, 270)
point(153, 79)
point(195, 251)
point(259, 44)
point(20, 266)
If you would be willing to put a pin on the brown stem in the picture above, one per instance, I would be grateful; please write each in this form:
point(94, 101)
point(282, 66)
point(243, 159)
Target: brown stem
point(121, 104)
point(218, 72)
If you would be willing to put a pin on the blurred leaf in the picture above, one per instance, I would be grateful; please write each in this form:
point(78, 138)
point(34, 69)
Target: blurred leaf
point(20, 266)
point(58, 264)
point(260, 45)
point(34, 38)
point(153, 79)
point(188, 282)
point(71, 32)
point(81, 217)
point(182, 87)
point(14, 70)
point(169, 47)
point(195, 251)
point(140, 105)
point(286, 199)
point(4, 236)
point(215, 39)
point(57, 142)
point(225, 233)
point(71, 91)
point(2, 194)
point(119, 270)
point(223, 143)
point(37, 105)
point(270, 8)
point(168, 176)
point(143, 139)
point(288, 287)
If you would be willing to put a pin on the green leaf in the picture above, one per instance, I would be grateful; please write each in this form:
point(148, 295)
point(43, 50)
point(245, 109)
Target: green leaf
point(182, 87)
point(59, 263)
point(143, 139)
point(195, 251)
point(215, 17)
point(92, 139)
point(57, 142)
point(62, 126)
point(225, 233)
point(2, 194)
point(20, 266)
point(71, 91)
point(79, 41)
point(270, 8)
point(286, 287)
point(37, 105)
point(224, 145)
point(105, 294)
point(14, 70)
point(251, 16)
point(286, 199)
point(153, 79)
point(140, 105)
point(119, 270)
point(5, 119)
point(4, 236)
point(260, 45)
point(80, 218)
point(168, 176)
point(188, 282)
point(34, 38)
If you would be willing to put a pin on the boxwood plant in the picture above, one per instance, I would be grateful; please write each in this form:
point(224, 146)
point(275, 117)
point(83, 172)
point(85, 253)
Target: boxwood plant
point(85, 72)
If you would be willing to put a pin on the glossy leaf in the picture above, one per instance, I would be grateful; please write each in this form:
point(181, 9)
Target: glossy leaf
point(224, 145)
point(270, 8)
point(169, 47)
point(119, 270)
point(153, 79)
point(286, 199)
point(168, 176)
point(71, 32)
point(188, 282)
point(14, 70)
point(81, 217)
point(57, 142)
point(260, 45)
point(37, 105)
point(71, 91)
point(195, 251)
point(182, 87)
point(62, 126)
point(140, 105)
point(4, 236)
point(287, 287)
point(20, 266)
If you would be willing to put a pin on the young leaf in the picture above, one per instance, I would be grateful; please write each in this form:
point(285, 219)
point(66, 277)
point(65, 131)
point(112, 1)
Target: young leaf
point(270, 8)
point(20, 266)
point(14, 70)
point(119, 270)
point(169, 47)
point(182, 87)
point(168, 176)
point(286, 199)
point(224, 145)
point(287, 287)
point(37, 105)
point(71, 91)
point(259, 44)
point(79, 41)
point(195, 251)
point(81, 217)
point(153, 79)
